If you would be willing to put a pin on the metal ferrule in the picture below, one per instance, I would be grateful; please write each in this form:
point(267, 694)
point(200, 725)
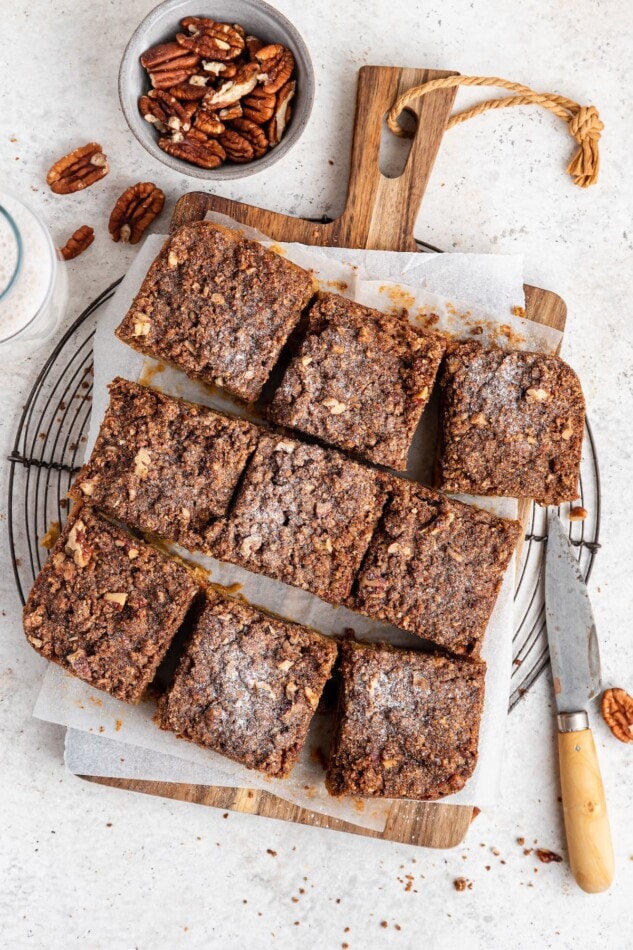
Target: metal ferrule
point(573, 721)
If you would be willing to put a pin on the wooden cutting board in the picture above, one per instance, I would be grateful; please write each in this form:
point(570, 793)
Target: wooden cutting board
point(379, 213)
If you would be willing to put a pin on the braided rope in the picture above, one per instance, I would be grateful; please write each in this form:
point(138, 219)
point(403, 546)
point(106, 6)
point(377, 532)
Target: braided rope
point(583, 121)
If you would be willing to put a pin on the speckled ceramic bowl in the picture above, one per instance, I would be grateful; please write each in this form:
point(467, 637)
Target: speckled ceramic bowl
point(257, 18)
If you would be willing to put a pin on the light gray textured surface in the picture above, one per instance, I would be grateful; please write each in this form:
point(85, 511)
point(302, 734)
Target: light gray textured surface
point(90, 867)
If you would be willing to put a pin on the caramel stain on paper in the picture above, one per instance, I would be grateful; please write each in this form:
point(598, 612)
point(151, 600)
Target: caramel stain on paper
point(117, 725)
point(278, 249)
point(95, 701)
point(400, 298)
point(518, 311)
point(318, 756)
point(150, 371)
point(359, 805)
point(234, 588)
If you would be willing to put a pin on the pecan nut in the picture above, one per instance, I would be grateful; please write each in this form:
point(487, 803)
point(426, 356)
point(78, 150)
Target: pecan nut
point(617, 712)
point(165, 56)
point(276, 65)
point(233, 90)
point(237, 147)
point(77, 243)
point(259, 106)
point(231, 112)
point(209, 154)
point(253, 133)
point(253, 45)
point(209, 123)
point(219, 41)
point(153, 113)
point(134, 211)
point(78, 170)
point(281, 118)
point(176, 118)
point(188, 91)
point(168, 64)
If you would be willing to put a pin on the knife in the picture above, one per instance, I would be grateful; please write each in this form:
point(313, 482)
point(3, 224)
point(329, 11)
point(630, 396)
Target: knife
point(575, 660)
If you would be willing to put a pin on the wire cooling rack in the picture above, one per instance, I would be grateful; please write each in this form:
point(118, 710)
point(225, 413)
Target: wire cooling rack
point(48, 450)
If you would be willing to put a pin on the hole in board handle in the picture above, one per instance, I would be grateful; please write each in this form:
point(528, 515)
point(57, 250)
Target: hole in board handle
point(394, 151)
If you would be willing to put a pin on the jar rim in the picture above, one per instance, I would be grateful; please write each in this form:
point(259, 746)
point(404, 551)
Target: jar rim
point(54, 263)
point(18, 243)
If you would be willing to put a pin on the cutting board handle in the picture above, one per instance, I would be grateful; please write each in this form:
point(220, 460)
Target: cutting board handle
point(381, 212)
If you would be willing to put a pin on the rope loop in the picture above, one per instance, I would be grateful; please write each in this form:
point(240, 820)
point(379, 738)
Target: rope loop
point(583, 122)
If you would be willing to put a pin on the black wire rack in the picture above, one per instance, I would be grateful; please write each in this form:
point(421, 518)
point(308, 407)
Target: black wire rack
point(48, 451)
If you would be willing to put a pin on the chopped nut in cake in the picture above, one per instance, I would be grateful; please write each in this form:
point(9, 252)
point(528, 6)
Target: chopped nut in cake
point(248, 685)
point(434, 567)
point(165, 466)
point(218, 306)
point(407, 723)
point(106, 606)
point(303, 515)
point(512, 424)
point(360, 380)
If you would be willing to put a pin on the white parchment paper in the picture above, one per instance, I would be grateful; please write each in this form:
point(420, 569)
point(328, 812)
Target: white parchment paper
point(107, 737)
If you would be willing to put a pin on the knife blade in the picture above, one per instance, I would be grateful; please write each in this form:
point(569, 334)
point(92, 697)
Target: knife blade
point(571, 628)
point(575, 661)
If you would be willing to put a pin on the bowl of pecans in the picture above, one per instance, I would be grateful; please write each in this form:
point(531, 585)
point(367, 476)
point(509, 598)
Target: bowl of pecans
point(217, 90)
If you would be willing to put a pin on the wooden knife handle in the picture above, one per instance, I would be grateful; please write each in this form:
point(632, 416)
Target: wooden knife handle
point(585, 811)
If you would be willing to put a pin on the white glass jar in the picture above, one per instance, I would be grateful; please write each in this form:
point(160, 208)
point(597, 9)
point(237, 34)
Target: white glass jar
point(33, 285)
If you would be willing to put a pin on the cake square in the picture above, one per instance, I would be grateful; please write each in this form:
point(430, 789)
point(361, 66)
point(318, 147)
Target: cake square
point(407, 723)
point(218, 306)
point(303, 515)
point(512, 424)
point(248, 685)
point(106, 606)
point(165, 466)
point(360, 380)
point(434, 567)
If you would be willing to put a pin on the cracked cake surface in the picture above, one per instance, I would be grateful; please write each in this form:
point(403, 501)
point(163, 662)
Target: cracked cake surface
point(407, 723)
point(165, 466)
point(434, 567)
point(248, 685)
point(106, 606)
point(303, 515)
point(360, 380)
point(512, 424)
point(218, 306)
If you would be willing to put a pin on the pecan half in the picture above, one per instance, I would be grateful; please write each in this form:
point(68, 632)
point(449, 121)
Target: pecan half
point(176, 118)
point(153, 113)
point(214, 68)
point(237, 147)
point(168, 64)
point(276, 65)
point(77, 170)
point(283, 112)
point(213, 41)
point(259, 106)
point(231, 112)
point(232, 90)
point(166, 56)
point(207, 154)
point(253, 45)
point(617, 712)
point(194, 24)
point(77, 244)
point(187, 91)
point(209, 123)
point(134, 212)
point(254, 134)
